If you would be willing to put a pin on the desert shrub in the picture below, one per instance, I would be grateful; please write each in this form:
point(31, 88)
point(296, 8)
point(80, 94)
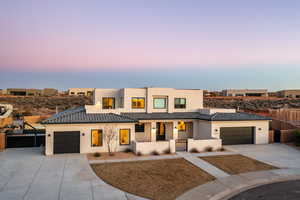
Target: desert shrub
point(222, 149)
point(167, 151)
point(297, 137)
point(209, 149)
point(155, 153)
point(139, 153)
point(194, 150)
point(127, 150)
point(97, 154)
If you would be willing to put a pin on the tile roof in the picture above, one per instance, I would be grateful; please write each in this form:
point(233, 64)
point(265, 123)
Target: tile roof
point(79, 115)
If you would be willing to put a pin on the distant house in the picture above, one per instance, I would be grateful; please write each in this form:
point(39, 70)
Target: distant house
point(150, 119)
point(32, 92)
point(81, 91)
point(245, 93)
point(289, 93)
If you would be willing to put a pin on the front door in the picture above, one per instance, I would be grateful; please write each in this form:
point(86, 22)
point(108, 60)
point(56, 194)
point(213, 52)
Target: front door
point(160, 131)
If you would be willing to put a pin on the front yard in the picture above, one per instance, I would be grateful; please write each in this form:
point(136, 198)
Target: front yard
point(236, 164)
point(154, 179)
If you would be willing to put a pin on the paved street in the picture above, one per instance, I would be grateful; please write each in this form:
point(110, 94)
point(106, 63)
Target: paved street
point(289, 190)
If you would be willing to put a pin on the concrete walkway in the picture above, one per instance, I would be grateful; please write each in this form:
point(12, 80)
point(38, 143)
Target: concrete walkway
point(209, 168)
point(162, 157)
point(26, 174)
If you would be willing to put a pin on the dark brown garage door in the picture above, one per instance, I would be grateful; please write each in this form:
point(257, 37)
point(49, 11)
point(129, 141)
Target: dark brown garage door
point(67, 142)
point(237, 135)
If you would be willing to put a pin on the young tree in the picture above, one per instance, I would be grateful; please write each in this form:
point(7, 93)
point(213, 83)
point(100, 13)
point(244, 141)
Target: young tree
point(110, 136)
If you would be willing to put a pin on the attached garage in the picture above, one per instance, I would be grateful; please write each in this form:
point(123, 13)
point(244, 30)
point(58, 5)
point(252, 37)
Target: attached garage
point(66, 142)
point(237, 135)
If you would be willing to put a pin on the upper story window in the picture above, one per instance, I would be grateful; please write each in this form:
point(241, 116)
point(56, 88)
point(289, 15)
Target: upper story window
point(108, 103)
point(160, 103)
point(180, 103)
point(138, 102)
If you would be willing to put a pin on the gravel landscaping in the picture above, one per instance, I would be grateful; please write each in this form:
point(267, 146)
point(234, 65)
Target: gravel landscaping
point(236, 164)
point(153, 179)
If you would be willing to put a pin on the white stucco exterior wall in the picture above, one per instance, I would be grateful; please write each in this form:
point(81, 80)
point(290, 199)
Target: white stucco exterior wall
point(261, 135)
point(85, 136)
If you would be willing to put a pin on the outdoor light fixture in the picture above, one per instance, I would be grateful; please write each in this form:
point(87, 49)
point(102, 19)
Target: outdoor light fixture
point(216, 130)
point(49, 135)
point(259, 129)
point(82, 134)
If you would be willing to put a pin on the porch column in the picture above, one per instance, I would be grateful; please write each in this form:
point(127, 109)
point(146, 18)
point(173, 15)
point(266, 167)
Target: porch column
point(153, 131)
point(175, 130)
point(196, 129)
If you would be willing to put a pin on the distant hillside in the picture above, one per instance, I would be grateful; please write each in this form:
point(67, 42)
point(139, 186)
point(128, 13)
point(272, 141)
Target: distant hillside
point(44, 105)
point(251, 104)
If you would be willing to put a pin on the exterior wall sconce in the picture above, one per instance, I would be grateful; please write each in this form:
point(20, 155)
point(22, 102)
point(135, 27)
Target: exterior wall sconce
point(259, 129)
point(153, 128)
point(83, 134)
point(216, 130)
point(175, 127)
point(49, 135)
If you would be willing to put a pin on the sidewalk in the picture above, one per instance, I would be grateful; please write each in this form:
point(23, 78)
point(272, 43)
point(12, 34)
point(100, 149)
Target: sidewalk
point(224, 188)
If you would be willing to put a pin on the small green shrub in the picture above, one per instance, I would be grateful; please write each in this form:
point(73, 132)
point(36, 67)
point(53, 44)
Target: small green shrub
point(297, 137)
point(97, 154)
point(167, 151)
point(194, 150)
point(155, 153)
point(222, 149)
point(208, 149)
point(128, 150)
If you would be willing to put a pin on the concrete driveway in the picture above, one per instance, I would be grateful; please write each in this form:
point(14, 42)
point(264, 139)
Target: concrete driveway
point(28, 175)
point(279, 155)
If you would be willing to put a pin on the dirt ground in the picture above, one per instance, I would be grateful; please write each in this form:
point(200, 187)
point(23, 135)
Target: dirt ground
point(236, 164)
point(154, 179)
point(117, 155)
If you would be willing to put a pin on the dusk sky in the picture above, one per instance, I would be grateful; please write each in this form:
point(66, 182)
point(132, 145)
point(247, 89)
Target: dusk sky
point(138, 43)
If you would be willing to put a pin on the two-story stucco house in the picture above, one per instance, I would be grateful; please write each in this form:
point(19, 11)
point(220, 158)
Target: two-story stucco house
point(148, 119)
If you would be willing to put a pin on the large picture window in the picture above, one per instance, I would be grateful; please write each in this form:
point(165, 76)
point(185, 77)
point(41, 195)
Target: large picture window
point(124, 136)
point(160, 103)
point(97, 140)
point(138, 102)
point(180, 103)
point(108, 103)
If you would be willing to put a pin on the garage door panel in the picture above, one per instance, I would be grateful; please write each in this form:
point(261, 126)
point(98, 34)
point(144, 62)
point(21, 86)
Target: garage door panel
point(67, 142)
point(237, 135)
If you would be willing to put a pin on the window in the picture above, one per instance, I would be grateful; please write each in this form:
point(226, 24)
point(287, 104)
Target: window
point(124, 136)
point(159, 103)
point(97, 138)
point(138, 102)
point(181, 126)
point(180, 102)
point(140, 128)
point(108, 103)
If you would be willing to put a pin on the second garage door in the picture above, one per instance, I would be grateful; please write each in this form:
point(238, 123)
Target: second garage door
point(237, 135)
point(66, 142)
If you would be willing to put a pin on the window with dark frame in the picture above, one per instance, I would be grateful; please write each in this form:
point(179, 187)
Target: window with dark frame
point(138, 102)
point(108, 103)
point(139, 127)
point(159, 103)
point(180, 103)
point(96, 138)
